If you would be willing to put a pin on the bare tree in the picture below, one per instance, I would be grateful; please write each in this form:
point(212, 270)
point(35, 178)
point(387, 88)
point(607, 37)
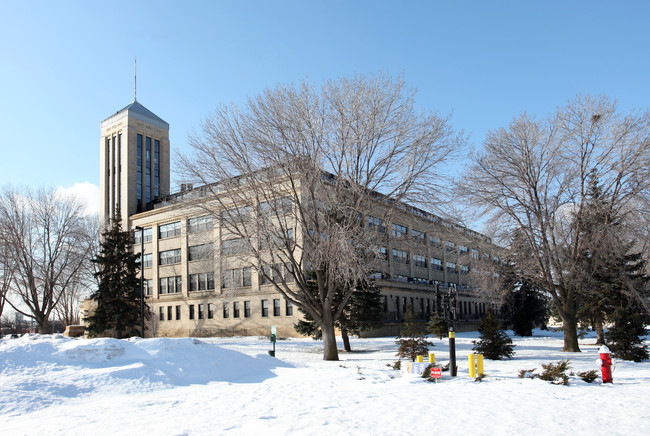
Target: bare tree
point(532, 180)
point(84, 282)
point(6, 275)
point(298, 171)
point(48, 244)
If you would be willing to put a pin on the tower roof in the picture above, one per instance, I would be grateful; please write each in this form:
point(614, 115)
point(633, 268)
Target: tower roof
point(137, 111)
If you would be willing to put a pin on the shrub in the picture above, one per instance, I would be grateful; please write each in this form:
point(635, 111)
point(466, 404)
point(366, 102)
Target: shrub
point(556, 372)
point(588, 376)
point(494, 344)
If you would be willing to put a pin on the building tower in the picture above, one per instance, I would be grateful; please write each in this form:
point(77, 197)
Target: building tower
point(134, 162)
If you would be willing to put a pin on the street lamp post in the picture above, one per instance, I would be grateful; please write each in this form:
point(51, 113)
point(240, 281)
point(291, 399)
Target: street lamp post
point(141, 229)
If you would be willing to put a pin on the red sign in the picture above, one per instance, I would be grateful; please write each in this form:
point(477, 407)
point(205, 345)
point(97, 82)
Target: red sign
point(436, 372)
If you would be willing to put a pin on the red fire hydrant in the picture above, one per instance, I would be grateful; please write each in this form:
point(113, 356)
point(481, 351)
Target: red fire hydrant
point(606, 364)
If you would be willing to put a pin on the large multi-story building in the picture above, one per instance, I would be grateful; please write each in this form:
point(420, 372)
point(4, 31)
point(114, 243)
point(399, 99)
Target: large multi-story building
point(194, 281)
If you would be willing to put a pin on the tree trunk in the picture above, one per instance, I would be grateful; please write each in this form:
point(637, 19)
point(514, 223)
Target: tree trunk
point(600, 332)
point(346, 340)
point(330, 351)
point(42, 326)
point(570, 324)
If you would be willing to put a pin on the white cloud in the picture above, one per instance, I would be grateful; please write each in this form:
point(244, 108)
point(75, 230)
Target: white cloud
point(87, 193)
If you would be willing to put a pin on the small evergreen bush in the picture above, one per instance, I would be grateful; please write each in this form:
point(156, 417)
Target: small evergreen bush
point(437, 327)
point(556, 372)
point(588, 376)
point(494, 342)
point(411, 341)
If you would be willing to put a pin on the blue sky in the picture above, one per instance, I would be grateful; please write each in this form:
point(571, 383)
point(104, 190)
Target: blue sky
point(68, 65)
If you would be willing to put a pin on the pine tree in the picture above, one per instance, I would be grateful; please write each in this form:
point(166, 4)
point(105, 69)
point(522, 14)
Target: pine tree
point(411, 340)
point(437, 326)
point(624, 338)
point(494, 342)
point(118, 296)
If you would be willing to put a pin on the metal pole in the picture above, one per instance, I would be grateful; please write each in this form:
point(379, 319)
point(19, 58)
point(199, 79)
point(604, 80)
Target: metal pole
point(452, 333)
point(141, 229)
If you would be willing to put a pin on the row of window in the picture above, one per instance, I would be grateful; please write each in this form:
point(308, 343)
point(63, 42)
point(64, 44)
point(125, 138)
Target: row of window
point(401, 256)
point(427, 305)
point(401, 232)
point(232, 278)
point(207, 310)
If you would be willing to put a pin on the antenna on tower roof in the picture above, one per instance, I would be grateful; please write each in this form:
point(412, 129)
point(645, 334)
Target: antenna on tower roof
point(135, 79)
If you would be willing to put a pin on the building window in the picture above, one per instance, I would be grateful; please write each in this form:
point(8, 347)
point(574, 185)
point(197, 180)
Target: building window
point(376, 224)
point(400, 256)
point(265, 308)
point(399, 231)
point(139, 173)
point(451, 267)
point(419, 260)
point(198, 252)
point(436, 264)
point(450, 246)
point(434, 241)
point(169, 230)
point(170, 257)
point(288, 308)
point(230, 247)
point(233, 216)
point(201, 312)
point(382, 253)
point(169, 313)
point(464, 270)
point(475, 254)
point(235, 309)
point(178, 313)
point(199, 224)
point(226, 308)
point(418, 236)
point(247, 309)
point(148, 287)
point(170, 285)
point(226, 280)
point(191, 311)
point(148, 232)
point(463, 250)
point(210, 310)
point(147, 260)
point(156, 168)
point(201, 282)
point(377, 275)
point(161, 313)
point(400, 278)
point(276, 307)
point(147, 179)
point(246, 277)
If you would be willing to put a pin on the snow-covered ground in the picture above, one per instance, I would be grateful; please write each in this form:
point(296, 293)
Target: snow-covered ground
point(55, 385)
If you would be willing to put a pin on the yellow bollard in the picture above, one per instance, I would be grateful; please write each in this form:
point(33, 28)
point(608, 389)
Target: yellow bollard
point(472, 365)
point(479, 363)
point(419, 358)
point(432, 358)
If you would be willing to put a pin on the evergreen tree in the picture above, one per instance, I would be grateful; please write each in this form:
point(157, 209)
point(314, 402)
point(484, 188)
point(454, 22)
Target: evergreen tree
point(494, 342)
point(613, 276)
point(118, 296)
point(411, 340)
point(361, 313)
point(624, 338)
point(437, 326)
point(524, 308)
